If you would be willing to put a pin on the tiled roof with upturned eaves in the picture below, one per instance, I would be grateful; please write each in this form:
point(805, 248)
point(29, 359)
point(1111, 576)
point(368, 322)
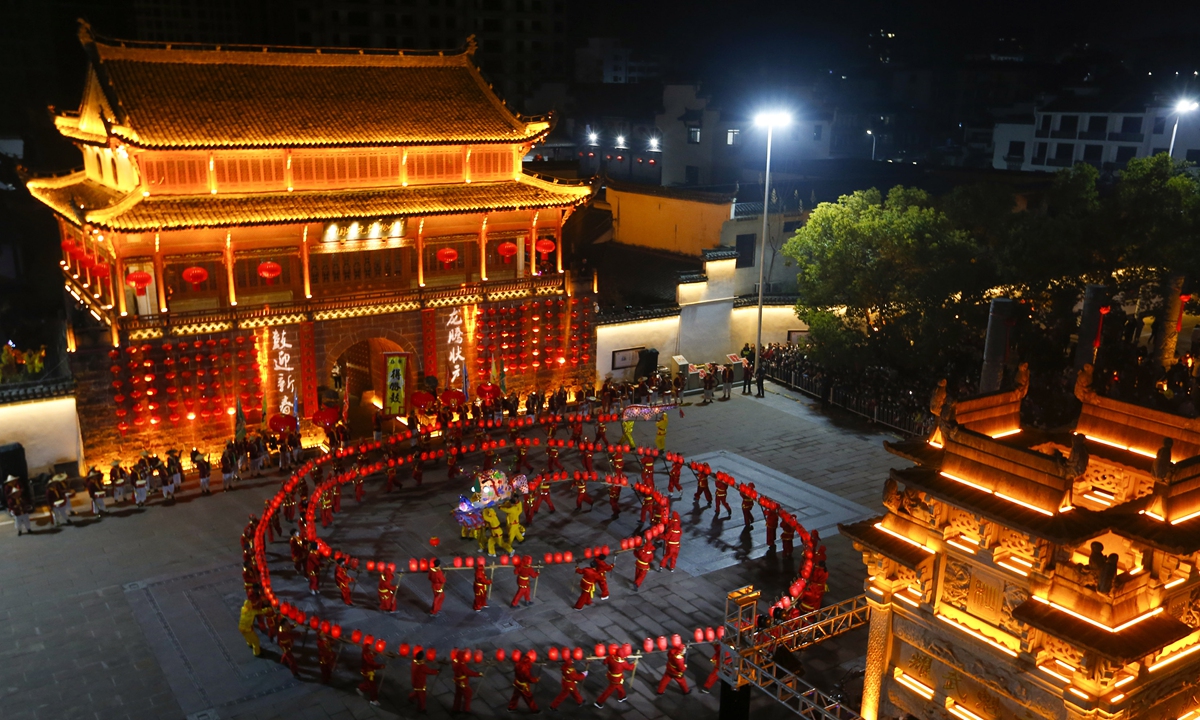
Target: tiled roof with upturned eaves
point(241, 97)
point(176, 212)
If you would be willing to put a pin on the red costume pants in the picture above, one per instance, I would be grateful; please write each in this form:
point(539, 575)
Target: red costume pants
point(639, 575)
point(370, 688)
point(462, 699)
point(572, 693)
point(666, 680)
point(526, 695)
point(582, 498)
point(618, 688)
point(417, 696)
point(705, 492)
point(669, 557)
point(522, 594)
point(585, 598)
point(439, 597)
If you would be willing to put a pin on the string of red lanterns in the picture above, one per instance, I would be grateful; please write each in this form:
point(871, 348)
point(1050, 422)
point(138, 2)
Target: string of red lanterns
point(380, 646)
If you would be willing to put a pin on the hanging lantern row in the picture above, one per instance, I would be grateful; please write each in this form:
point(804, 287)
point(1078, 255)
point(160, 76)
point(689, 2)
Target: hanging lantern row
point(189, 379)
point(533, 335)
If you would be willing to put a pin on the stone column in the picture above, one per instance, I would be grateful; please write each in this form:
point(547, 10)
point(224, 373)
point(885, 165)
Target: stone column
point(996, 346)
point(1168, 319)
point(879, 649)
point(1094, 298)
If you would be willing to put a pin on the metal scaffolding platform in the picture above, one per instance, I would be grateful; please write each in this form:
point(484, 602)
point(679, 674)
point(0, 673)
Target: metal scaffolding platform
point(749, 656)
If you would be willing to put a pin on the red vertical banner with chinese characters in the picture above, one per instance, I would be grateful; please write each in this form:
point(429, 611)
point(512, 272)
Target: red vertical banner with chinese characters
point(308, 370)
point(429, 332)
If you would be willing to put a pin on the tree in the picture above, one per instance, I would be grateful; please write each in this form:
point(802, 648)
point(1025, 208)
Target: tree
point(897, 274)
point(1157, 206)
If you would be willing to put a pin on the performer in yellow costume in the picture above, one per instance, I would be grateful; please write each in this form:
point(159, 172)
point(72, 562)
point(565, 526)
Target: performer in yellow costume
point(660, 432)
point(512, 515)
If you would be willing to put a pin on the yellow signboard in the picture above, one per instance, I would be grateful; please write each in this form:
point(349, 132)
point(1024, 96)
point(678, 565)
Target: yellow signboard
point(396, 365)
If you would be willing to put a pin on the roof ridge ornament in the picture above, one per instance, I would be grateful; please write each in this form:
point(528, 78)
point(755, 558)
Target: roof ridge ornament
point(472, 45)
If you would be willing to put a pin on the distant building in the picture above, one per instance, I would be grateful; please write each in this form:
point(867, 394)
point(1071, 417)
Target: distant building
point(606, 60)
point(1106, 131)
point(703, 143)
point(695, 221)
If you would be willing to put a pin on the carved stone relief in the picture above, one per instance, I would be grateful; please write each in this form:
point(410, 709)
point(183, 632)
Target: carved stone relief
point(1014, 595)
point(956, 585)
point(1004, 677)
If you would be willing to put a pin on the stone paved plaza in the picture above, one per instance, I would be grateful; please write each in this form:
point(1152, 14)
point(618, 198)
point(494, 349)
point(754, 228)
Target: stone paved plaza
point(134, 616)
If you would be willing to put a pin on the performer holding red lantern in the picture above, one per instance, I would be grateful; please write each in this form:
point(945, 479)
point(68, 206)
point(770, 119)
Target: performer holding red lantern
point(747, 494)
point(676, 669)
point(603, 568)
point(481, 585)
point(643, 557)
point(587, 585)
point(570, 684)
point(437, 581)
point(525, 572)
point(343, 581)
point(387, 593)
point(420, 673)
point(369, 687)
point(327, 654)
point(581, 493)
point(462, 680)
point(616, 668)
point(523, 681)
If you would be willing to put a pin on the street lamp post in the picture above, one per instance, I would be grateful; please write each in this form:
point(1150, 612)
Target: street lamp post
point(1181, 107)
point(874, 137)
point(769, 120)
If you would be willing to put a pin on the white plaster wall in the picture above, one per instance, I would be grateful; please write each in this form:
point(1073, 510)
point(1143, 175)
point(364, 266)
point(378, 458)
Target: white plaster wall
point(704, 331)
point(48, 429)
point(661, 334)
point(777, 320)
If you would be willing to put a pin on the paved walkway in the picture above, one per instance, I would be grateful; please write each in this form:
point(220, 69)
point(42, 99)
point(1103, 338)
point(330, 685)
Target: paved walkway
point(134, 616)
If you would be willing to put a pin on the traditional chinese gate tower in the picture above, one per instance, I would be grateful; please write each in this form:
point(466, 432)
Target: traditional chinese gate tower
point(247, 214)
point(1020, 574)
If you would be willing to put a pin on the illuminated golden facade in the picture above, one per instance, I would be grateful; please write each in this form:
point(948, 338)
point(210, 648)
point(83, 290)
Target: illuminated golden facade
point(229, 190)
point(1024, 574)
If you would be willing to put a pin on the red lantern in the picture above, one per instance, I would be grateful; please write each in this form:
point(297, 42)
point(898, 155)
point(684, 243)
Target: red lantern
point(269, 270)
point(507, 250)
point(139, 279)
point(544, 247)
point(195, 275)
point(446, 256)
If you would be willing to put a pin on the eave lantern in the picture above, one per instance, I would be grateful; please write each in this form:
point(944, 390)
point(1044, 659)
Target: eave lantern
point(195, 275)
point(545, 246)
point(507, 250)
point(269, 270)
point(447, 256)
point(139, 280)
